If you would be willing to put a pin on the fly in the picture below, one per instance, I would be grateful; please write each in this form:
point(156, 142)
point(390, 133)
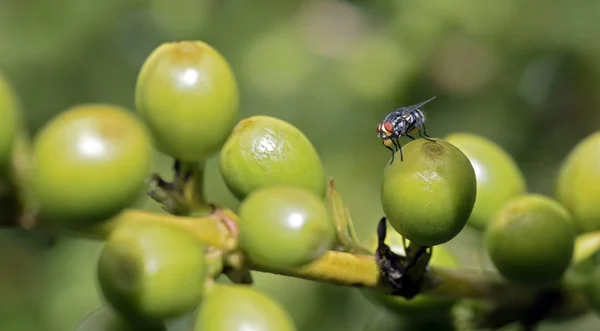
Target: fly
point(403, 121)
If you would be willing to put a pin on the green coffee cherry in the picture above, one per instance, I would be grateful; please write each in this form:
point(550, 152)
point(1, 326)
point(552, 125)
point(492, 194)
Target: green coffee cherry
point(422, 306)
point(285, 227)
point(152, 271)
point(10, 110)
point(498, 177)
point(264, 151)
point(531, 240)
point(592, 290)
point(105, 319)
point(578, 183)
point(90, 162)
point(187, 95)
point(240, 307)
point(428, 197)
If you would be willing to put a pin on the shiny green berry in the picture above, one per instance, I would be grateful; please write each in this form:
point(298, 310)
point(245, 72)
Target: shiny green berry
point(240, 307)
point(498, 177)
point(578, 183)
point(90, 162)
point(285, 227)
point(152, 271)
point(105, 319)
point(187, 95)
point(264, 151)
point(592, 290)
point(531, 240)
point(10, 112)
point(428, 197)
point(422, 306)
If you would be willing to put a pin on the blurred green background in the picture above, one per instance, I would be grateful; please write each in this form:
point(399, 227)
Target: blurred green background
point(525, 74)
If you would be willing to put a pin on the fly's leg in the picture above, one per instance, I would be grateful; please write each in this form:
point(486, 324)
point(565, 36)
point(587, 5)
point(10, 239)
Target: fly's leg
point(388, 147)
point(396, 143)
point(398, 147)
point(411, 137)
point(423, 133)
point(401, 156)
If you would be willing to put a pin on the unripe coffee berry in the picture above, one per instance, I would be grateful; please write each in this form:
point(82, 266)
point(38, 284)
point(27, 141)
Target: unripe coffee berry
point(264, 151)
point(498, 177)
point(428, 197)
point(531, 240)
point(578, 184)
point(240, 307)
point(89, 163)
point(285, 227)
point(187, 95)
point(152, 271)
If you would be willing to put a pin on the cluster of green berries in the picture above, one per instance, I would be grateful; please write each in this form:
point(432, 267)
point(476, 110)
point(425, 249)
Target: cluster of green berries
point(92, 161)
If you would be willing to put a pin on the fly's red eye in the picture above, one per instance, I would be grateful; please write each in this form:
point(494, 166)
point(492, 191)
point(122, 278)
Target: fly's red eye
point(388, 127)
point(378, 127)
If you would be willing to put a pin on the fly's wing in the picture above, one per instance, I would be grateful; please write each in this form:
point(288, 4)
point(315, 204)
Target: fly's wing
point(408, 109)
point(419, 105)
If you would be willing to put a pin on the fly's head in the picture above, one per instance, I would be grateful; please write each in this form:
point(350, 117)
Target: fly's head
point(385, 131)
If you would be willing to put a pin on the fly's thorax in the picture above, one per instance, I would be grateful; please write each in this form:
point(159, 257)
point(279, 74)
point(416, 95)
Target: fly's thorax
point(404, 125)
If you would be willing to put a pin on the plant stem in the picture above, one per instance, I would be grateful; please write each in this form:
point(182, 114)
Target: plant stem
point(348, 269)
point(340, 268)
point(193, 190)
point(361, 271)
point(334, 267)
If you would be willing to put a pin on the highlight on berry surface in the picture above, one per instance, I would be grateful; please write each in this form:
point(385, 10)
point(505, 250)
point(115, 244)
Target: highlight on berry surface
point(428, 197)
point(89, 163)
point(264, 151)
point(531, 240)
point(285, 227)
point(578, 183)
point(498, 176)
point(187, 95)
